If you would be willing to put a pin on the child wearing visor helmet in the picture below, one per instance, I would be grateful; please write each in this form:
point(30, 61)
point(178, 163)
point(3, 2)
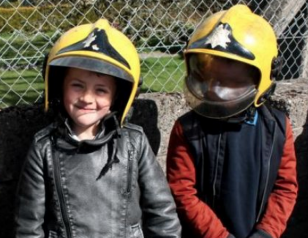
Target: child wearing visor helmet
point(231, 162)
point(91, 174)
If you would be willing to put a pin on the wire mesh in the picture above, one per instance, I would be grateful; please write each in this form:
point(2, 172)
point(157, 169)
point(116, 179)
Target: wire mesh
point(160, 30)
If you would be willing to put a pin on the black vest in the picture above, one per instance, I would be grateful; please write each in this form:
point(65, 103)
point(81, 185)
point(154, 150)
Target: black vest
point(236, 164)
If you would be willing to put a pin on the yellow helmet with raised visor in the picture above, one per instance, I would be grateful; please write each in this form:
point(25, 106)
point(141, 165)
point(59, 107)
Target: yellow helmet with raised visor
point(97, 47)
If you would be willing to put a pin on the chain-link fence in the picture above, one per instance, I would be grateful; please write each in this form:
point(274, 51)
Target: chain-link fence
point(158, 28)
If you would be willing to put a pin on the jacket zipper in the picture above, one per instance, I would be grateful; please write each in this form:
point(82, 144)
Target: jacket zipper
point(216, 171)
point(61, 197)
point(267, 177)
point(129, 171)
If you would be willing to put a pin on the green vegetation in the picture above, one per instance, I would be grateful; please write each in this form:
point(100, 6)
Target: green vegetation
point(20, 87)
point(18, 49)
point(27, 34)
point(150, 25)
point(163, 74)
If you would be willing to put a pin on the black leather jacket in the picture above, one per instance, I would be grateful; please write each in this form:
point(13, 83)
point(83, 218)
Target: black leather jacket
point(110, 187)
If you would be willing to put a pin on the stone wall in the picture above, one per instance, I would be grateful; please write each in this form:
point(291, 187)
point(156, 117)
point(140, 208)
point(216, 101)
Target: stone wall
point(156, 113)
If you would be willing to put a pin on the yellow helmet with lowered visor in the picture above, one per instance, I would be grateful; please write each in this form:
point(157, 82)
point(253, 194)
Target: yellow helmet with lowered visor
point(96, 47)
point(239, 36)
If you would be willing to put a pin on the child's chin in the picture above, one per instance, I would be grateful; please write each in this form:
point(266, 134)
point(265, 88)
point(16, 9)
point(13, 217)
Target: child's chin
point(87, 122)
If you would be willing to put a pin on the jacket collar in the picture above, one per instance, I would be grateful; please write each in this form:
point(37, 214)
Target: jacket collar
point(109, 128)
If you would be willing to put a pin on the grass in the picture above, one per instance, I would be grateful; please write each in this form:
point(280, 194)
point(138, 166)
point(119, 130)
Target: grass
point(24, 86)
point(163, 74)
point(21, 50)
point(21, 54)
point(20, 87)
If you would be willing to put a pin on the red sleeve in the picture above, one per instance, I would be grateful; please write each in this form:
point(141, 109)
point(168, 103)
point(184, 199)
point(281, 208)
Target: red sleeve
point(283, 197)
point(193, 212)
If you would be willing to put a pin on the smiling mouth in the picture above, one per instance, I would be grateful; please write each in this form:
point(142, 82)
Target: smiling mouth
point(85, 109)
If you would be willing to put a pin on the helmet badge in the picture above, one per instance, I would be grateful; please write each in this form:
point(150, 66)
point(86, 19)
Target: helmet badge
point(89, 41)
point(222, 39)
point(219, 37)
point(97, 41)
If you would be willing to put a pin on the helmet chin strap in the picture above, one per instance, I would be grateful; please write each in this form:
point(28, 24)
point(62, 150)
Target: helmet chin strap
point(246, 116)
point(266, 95)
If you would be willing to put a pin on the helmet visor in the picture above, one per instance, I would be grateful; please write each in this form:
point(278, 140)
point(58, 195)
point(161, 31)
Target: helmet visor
point(217, 87)
point(92, 64)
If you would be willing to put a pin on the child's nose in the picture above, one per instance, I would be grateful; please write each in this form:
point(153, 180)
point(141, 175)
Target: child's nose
point(87, 96)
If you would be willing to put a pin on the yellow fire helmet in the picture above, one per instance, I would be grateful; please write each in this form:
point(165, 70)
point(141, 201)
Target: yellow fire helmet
point(236, 38)
point(99, 48)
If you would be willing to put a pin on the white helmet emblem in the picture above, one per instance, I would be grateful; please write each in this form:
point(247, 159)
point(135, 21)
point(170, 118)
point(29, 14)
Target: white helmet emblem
point(219, 37)
point(89, 41)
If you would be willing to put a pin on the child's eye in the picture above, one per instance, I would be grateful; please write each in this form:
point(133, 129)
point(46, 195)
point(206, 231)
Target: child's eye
point(77, 85)
point(101, 90)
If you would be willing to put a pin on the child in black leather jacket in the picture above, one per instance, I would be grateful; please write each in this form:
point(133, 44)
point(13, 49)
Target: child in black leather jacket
point(90, 174)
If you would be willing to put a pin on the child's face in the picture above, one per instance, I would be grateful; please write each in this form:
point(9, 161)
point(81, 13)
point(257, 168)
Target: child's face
point(223, 79)
point(88, 97)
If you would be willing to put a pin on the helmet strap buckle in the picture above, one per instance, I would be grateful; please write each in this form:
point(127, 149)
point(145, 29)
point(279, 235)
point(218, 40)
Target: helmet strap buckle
point(247, 116)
